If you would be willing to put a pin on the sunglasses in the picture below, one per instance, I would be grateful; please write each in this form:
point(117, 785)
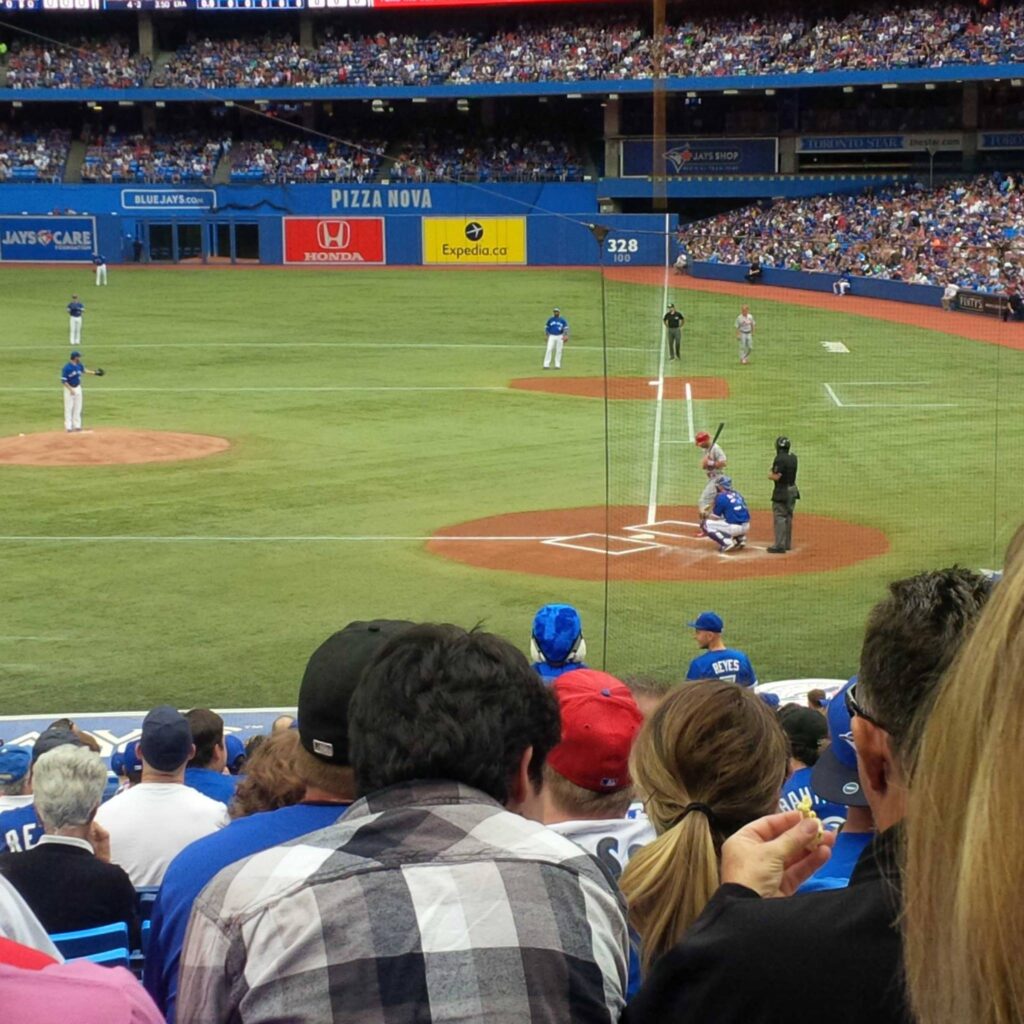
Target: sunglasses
point(855, 709)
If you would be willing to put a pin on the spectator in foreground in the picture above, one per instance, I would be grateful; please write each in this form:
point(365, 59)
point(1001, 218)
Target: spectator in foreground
point(648, 692)
point(963, 864)
point(489, 916)
point(205, 771)
point(281, 723)
point(15, 777)
point(708, 761)
point(556, 641)
point(126, 765)
point(65, 878)
point(236, 755)
point(20, 829)
point(818, 700)
point(151, 822)
point(842, 944)
point(834, 777)
point(807, 732)
point(587, 790)
point(19, 924)
point(302, 780)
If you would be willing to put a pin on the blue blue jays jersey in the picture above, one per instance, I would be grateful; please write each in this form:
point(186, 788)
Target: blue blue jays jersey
point(98, 260)
point(19, 830)
point(797, 786)
point(76, 308)
point(72, 374)
point(733, 666)
point(730, 506)
point(557, 325)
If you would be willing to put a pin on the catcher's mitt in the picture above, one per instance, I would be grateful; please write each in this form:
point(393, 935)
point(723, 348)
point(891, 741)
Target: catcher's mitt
point(100, 372)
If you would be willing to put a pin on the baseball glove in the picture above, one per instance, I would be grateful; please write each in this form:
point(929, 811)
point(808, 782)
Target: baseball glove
point(100, 372)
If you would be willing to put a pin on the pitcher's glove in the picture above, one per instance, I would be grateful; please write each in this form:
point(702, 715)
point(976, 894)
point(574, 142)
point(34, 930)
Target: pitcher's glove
point(100, 372)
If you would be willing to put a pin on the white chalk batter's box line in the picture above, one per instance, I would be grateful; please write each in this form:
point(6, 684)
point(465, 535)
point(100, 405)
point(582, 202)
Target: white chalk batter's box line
point(602, 548)
point(840, 404)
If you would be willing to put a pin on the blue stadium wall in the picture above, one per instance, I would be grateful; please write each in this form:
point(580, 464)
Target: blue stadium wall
point(554, 217)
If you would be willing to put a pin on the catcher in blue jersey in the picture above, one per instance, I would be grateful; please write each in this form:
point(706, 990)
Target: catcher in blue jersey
point(729, 521)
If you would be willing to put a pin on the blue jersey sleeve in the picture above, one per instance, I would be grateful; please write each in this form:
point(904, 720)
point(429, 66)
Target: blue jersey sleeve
point(746, 675)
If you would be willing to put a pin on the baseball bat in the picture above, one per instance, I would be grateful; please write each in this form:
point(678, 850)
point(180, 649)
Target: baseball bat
point(718, 432)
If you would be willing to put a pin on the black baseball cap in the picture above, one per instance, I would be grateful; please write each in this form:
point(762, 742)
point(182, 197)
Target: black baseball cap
point(50, 738)
point(166, 742)
point(330, 679)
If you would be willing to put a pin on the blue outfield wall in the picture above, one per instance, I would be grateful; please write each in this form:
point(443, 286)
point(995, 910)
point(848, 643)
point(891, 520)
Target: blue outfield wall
point(549, 222)
point(864, 287)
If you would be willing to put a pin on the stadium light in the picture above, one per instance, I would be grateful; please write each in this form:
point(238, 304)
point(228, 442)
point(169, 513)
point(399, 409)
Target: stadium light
point(691, 95)
point(847, 88)
point(419, 99)
point(161, 104)
point(126, 103)
point(930, 86)
point(461, 105)
point(17, 103)
point(574, 95)
point(613, 95)
point(889, 85)
point(769, 92)
point(377, 106)
point(1016, 82)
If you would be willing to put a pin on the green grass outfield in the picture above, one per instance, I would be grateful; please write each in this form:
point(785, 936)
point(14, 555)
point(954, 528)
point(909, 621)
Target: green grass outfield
point(930, 452)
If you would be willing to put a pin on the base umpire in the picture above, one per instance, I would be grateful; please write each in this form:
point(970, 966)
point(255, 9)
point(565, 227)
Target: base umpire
point(784, 495)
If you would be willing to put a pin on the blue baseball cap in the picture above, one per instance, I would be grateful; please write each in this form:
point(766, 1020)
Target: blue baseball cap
point(166, 741)
point(724, 481)
point(771, 699)
point(556, 629)
point(14, 763)
point(235, 751)
point(708, 621)
point(126, 759)
point(835, 777)
point(75, 355)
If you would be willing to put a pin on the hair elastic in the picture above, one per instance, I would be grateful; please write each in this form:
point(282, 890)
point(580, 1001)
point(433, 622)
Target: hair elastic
point(701, 808)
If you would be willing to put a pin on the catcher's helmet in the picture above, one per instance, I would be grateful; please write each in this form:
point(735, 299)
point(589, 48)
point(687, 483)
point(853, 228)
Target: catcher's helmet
point(702, 437)
point(782, 443)
point(724, 481)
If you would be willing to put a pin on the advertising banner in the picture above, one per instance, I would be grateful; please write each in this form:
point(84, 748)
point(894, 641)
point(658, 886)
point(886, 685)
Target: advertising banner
point(163, 199)
point(981, 303)
point(70, 239)
point(917, 142)
point(333, 241)
point(685, 157)
point(474, 240)
point(1001, 140)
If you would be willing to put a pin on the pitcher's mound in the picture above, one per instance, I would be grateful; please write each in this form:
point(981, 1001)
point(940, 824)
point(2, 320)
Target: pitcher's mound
point(106, 447)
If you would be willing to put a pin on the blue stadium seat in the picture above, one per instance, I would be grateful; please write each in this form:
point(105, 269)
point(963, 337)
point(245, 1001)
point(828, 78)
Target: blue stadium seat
point(107, 944)
point(146, 897)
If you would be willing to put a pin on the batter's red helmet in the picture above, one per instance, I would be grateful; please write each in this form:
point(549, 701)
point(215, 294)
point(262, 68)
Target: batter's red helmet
point(703, 437)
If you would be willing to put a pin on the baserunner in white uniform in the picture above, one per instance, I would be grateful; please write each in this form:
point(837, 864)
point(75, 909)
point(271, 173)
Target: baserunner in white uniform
point(745, 333)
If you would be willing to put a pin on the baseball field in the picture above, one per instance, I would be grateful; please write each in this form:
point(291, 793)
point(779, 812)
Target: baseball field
point(386, 444)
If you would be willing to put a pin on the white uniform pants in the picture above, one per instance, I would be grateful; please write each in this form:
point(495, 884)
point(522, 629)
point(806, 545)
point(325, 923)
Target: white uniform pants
point(555, 343)
point(76, 329)
point(746, 345)
point(101, 274)
point(720, 531)
point(708, 495)
point(73, 408)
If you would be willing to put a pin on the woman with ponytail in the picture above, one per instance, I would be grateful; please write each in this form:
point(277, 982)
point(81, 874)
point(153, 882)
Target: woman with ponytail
point(711, 759)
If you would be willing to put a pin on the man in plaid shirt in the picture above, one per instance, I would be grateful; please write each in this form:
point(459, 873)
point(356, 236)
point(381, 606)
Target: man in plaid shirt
point(435, 898)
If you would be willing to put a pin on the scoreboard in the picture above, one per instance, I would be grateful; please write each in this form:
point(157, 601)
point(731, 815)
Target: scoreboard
point(259, 5)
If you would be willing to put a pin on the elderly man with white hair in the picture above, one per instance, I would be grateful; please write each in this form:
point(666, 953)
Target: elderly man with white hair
point(66, 878)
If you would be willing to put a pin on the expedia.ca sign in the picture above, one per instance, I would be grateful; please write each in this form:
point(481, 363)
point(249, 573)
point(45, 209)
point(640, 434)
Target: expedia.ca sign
point(474, 239)
point(333, 241)
point(43, 239)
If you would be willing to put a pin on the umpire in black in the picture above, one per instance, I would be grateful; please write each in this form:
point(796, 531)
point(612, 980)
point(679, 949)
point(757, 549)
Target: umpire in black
point(784, 496)
point(673, 320)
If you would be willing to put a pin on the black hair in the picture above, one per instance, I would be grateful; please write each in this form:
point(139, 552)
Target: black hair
point(207, 728)
point(438, 702)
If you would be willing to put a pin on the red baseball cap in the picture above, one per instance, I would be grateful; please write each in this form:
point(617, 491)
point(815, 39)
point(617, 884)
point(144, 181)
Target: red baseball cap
point(600, 720)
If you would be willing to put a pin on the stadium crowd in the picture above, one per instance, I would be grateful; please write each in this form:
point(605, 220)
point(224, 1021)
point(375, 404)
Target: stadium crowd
point(967, 232)
point(274, 161)
point(447, 831)
point(81, 64)
point(711, 43)
point(33, 156)
point(152, 159)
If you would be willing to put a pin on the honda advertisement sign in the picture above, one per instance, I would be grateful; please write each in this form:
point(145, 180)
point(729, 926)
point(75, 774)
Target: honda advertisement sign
point(46, 239)
point(333, 241)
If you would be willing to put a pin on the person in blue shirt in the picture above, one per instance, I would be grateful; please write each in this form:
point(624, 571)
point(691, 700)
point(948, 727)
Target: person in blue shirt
point(718, 661)
point(100, 262)
point(75, 311)
point(556, 641)
point(807, 732)
point(205, 771)
point(71, 382)
point(557, 330)
point(729, 521)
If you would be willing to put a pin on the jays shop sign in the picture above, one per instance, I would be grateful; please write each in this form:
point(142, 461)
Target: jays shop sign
point(333, 241)
point(165, 200)
point(68, 239)
point(685, 157)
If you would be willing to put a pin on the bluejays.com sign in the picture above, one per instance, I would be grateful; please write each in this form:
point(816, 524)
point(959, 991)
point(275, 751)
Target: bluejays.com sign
point(474, 240)
point(47, 239)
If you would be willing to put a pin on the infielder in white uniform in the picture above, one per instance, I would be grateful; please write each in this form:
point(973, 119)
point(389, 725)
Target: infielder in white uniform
point(713, 463)
point(71, 381)
point(75, 311)
point(557, 330)
point(745, 333)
